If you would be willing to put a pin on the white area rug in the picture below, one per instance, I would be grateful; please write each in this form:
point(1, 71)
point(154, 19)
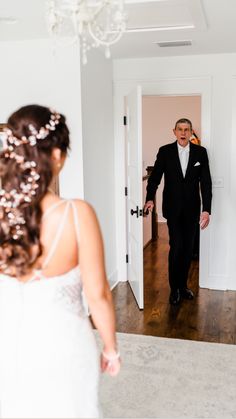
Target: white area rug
point(171, 378)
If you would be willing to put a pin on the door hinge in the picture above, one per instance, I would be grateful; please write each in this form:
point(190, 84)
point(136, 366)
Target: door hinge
point(127, 258)
point(125, 120)
point(126, 191)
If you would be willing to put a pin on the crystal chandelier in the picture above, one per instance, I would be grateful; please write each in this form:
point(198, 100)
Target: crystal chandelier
point(93, 22)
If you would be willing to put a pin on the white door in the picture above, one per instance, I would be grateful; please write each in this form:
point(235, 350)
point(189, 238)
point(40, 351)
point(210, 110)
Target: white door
point(134, 197)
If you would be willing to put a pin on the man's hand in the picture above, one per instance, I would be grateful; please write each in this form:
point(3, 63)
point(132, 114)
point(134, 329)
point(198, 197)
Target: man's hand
point(148, 206)
point(204, 219)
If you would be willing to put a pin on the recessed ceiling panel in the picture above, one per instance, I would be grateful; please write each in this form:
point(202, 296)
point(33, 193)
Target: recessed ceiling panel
point(159, 14)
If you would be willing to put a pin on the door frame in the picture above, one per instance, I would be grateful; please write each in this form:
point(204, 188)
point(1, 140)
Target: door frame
point(183, 86)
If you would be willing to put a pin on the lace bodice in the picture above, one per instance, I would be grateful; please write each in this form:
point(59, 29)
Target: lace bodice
point(62, 291)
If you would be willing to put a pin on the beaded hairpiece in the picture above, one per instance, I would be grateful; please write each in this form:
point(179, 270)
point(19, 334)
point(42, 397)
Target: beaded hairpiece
point(10, 201)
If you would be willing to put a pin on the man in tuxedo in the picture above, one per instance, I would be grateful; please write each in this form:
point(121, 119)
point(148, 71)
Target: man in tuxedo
point(186, 172)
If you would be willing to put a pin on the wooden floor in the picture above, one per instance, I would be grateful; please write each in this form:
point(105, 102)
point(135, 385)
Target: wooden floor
point(210, 317)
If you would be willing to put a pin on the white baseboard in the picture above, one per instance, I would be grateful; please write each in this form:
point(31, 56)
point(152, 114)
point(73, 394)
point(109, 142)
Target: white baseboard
point(216, 283)
point(113, 279)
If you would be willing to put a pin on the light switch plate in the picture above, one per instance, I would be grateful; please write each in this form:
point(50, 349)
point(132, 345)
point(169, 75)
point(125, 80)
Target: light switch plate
point(218, 182)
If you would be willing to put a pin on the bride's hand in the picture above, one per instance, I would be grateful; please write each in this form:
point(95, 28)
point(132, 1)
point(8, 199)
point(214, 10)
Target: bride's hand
point(110, 363)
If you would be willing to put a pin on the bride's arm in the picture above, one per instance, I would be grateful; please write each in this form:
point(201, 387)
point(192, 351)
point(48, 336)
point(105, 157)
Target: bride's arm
point(96, 286)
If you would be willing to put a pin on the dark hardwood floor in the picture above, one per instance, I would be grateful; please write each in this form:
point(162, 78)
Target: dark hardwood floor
point(210, 317)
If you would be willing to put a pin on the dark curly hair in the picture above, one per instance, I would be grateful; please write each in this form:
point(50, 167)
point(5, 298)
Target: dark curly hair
point(18, 256)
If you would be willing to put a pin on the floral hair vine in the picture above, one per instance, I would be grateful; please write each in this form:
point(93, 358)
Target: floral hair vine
point(10, 201)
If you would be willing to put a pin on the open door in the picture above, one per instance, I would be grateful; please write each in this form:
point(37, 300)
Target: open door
point(134, 193)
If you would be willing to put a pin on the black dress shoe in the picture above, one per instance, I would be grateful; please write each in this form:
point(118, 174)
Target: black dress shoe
point(174, 298)
point(187, 294)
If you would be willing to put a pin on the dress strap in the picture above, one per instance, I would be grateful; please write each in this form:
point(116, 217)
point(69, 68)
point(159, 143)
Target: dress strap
point(76, 220)
point(51, 208)
point(58, 234)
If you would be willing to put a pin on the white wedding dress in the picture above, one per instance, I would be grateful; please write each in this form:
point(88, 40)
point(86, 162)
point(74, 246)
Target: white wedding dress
point(49, 363)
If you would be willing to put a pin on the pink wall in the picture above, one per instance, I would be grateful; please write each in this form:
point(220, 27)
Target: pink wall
point(159, 116)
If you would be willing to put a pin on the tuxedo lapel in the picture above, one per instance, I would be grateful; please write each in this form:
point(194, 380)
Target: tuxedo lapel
point(177, 160)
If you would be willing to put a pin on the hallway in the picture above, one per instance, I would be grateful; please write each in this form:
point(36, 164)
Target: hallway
point(210, 317)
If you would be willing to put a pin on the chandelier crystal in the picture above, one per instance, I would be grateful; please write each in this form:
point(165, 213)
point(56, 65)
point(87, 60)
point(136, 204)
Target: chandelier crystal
point(93, 22)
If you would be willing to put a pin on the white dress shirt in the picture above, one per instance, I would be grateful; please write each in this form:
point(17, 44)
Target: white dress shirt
point(183, 157)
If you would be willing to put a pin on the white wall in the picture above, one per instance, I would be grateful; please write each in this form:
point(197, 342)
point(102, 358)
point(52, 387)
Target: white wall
point(216, 74)
point(33, 72)
point(98, 149)
point(159, 116)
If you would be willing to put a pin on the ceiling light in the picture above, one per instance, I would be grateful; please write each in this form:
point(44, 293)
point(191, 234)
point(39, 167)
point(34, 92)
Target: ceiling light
point(93, 22)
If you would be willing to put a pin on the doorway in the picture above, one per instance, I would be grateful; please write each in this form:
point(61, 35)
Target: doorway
point(169, 87)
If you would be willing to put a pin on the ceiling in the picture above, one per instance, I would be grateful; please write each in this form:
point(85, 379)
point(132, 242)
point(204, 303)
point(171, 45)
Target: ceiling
point(208, 24)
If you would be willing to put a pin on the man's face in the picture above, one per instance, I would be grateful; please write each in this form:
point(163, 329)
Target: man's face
point(183, 133)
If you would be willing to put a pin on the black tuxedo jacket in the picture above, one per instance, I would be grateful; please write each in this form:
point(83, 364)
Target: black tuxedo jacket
point(181, 194)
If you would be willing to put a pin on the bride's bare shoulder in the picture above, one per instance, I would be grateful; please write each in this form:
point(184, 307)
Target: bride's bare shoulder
point(85, 210)
point(83, 206)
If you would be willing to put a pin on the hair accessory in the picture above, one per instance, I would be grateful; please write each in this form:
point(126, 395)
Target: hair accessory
point(10, 201)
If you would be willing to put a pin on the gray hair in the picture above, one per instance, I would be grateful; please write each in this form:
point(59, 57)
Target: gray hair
point(184, 121)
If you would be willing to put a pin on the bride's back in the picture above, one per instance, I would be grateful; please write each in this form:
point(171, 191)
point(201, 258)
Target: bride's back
point(59, 236)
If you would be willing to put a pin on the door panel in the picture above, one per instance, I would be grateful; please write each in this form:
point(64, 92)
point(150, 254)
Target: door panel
point(134, 198)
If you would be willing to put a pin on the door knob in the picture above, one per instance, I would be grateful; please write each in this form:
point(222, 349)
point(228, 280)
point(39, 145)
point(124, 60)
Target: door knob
point(132, 212)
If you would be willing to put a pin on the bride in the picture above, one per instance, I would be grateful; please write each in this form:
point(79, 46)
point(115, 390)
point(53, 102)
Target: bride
point(50, 251)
